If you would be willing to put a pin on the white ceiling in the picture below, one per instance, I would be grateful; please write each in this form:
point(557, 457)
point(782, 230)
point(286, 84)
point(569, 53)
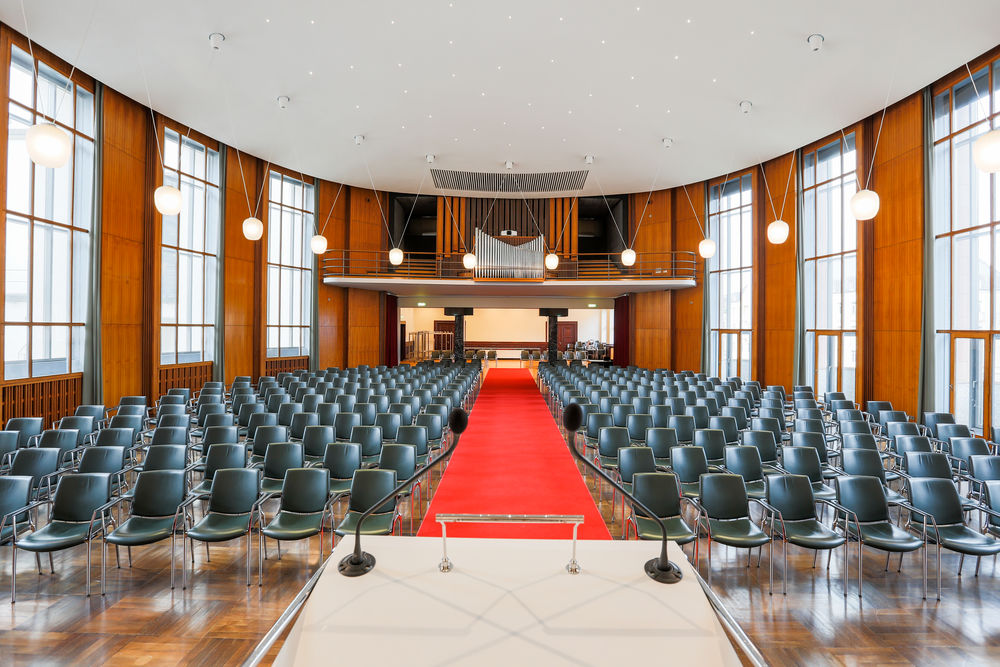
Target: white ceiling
point(539, 83)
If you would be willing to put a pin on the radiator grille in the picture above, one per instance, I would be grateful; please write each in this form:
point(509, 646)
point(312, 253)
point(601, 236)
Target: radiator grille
point(485, 181)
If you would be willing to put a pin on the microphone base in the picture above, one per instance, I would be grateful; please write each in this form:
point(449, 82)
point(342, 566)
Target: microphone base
point(350, 569)
point(671, 575)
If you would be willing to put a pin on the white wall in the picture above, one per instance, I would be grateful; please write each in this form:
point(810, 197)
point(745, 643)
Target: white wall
point(514, 324)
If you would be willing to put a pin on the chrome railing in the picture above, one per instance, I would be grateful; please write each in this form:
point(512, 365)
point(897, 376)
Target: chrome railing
point(676, 265)
point(575, 519)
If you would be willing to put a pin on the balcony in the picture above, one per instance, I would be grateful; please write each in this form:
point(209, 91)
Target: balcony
point(596, 275)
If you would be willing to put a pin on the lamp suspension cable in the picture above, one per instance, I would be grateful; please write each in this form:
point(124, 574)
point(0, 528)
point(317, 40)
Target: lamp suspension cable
point(332, 207)
point(454, 222)
point(412, 209)
point(610, 212)
point(568, 216)
point(378, 200)
point(649, 196)
point(777, 229)
point(986, 147)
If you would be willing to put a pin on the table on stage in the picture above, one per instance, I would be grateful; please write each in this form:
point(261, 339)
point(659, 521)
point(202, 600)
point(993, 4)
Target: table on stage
point(508, 602)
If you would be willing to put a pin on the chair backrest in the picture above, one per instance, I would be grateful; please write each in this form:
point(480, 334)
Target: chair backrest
point(927, 464)
point(26, 427)
point(370, 485)
point(260, 419)
point(315, 438)
point(389, 422)
point(83, 425)
point(738, 415)
point(948, 431)
point(234, 490)
point(342, 459)
point(912, 443)
point(727, 425)
point(95, 411)
point(433, 424)
point(611, 439)
point(849, 414)
point(992, 500)
point(282, 456)
point(158, 492)
point(205, 410)
point(932, 419)
point(802, 461)
point(723, 496)
point(875, 407)
point(791, 495)
point(367, 412)
point(266, 435)
point(218, 419)
point(713, 441)
point(345, 423)
point(62, 439)
point(863, 495)
point(35, 463)
point(859, 441)
point(863, 463)
point(684, 426)
point(370, 439)
point(300, 421)
point(400, 458)
point(305, 490)
point(635, 459)
point(413, 435)
point(896, 429)
point(937, 498)
point(15, 493)
point(886, 416)
point(764, 442)
point(661, 441)
point(984, 467)
point(659, 491)
point(963, 448)
point(744, 460)
point(77, 496)
point(165, 457)
point(220, 435)
point(637, 425)
point(115, 437)
point(102, 459)
point(689, 463)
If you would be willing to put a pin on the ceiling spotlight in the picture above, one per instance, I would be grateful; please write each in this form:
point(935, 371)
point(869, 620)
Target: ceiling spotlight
point(588, 159)
point(421, 304)
point(745, 106)
point(815, 42)
point(667, 141)
point(359, 139)
point(430, 158)
point(215, 41)
point(508, 164)
point(283, 101)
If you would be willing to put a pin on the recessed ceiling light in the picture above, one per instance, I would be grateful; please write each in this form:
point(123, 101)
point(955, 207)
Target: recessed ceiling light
point(392, 22)
point(632, 77)
point(508, 145)
point(453, 75)
point(450, 42)
point(482, 94)
point(619, 129)
point(505, 123)
point(552, 60)
point(474, 129)
point(267, 20)
point(402, 127)
point(668, 110)
point(405, 91)
point(564, 139)
point(603, 42)
point(357, 106)
point(636, 106)
point(399, 64)
point(350, 67)
point(560, 18)
point(753, 32)
point(421, 304)
point(689, 20)
point(543, 127)
point(529, 104)
point(429, 116)
point(594, 305)
point(677, 57)
point(509, 17)
point(569, 111)
point(498, 67)
point(310, 73)
point(714, 79)
point(590, 94)
point(312, 22)
point(454, 138)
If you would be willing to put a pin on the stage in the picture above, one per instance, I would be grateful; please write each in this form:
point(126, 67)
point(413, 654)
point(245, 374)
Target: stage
point(506, 601)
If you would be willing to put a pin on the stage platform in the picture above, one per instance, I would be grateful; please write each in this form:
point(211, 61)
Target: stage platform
point(506, 602)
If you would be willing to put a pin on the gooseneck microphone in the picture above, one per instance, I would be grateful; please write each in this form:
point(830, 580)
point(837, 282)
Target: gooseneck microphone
point(658, 569)
point(361, 562)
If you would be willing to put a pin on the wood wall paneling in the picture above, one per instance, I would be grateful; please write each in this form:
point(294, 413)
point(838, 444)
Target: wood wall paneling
point(687, 304)
point(240, 267)
point(192, 376)
point(364, 323)
point(366, 232)
point(332, 300)
point(776, 274)
point(48, 398)
point(652, 230)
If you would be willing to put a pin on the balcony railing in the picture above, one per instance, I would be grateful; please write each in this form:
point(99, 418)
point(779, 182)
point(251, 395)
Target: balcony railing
point(676, 265)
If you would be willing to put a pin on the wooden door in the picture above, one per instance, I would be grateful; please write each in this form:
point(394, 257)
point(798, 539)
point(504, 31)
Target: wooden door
point(566, 334)
point(443, 326)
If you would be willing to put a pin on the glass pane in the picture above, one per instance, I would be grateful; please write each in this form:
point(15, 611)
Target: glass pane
point(970, 371)
point(971, 187)
point(192, 216)
point(811, 356)
point(211, 288)
point(16, 269)
point(942, 372)
point(15, 353)
point(942, 286)
point(942, 114)
point(941, 188)
point(850, 282)
point(971, 101)
point(171, 149)
point(81, 276)
point(168, 345)
point(850, 157)
point(54, 192)
point(810, 294)
point(208, 353)
point(713, 311)
point(83, 183)
point(55, 95)
point(272, 341)
point(808, 170)
point(18, 163)
point(213, 211)
point(78, 352)
point(273, 300)
point(274, 233)
point(849, 342)
point(213, 167)
point(971, 280)
point(745, 355)
point(49, 350)
point(50, 279)
point(192, 158)
point(995, 387)
point(746, 299)
point(168, 286)
point(828, 163)
point(22, 77)
point(809, 223)
point(170, 222)
point(827, 359)
point(85, 111)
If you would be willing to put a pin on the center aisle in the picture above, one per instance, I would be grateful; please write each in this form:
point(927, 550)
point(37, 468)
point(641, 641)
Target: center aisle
point(512, 459)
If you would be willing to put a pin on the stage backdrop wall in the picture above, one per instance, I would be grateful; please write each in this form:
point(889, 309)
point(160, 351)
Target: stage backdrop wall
point(513, 324)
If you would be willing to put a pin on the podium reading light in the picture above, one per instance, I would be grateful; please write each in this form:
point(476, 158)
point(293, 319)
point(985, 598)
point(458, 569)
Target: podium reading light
point(658, 569)
point(361, 562)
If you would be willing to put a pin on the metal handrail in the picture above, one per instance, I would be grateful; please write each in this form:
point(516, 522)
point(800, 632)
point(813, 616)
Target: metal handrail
point(573, 567)
point(667, 265)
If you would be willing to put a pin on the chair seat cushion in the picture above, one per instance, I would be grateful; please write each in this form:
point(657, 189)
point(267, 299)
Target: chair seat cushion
point(965, 540)
point(289, 526)
point(886, 536)
point(340, 486)
point(690, 489)
point(204, 488)
point(219, 527)
point(811, 534)
point(823, 492)
point(55, 536)
point(271, 485)
point(741, 533)
point(677, 530)
point(609, 462)
point(756, 489)
point(376, 524)
point(139, 530)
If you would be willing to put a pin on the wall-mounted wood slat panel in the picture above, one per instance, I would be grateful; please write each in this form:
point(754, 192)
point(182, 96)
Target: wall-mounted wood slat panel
point(687, 303)
point(192, 376)
point(776, 273)
point(652, 310)
point(240, 267)
point(366, 234)
point(332, 318)
point(364, 324)
point(285, 365)
point(49, 398)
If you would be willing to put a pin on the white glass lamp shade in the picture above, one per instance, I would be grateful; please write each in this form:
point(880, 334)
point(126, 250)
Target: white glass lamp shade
point(777, 232)
point(986, 152)
point(318, 244)
point(167, 200)
point(551, 261)
point(706, 248)
point(469, 261)
point(628, 257)
point(396, 256)
point(864, 204)
point(48, 145)
point(253, 229)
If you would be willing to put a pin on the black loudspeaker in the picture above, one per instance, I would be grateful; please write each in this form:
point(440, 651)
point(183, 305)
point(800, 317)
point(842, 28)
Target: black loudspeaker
point(452, 312)
point(548, 312)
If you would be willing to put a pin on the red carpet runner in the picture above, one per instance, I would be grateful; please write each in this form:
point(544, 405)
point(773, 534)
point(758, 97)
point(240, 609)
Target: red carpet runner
point(513, 460)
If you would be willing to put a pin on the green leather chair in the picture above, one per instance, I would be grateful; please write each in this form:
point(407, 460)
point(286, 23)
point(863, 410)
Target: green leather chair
point(232, 512)
point(435, 430)
point(370, 439)
point(660, 491)
point(264, 436)
point(402, 459)
point(154, 514)
point(368, 486)
point(341, 459)
point(725, 515)
point(344, 424)
point(744, 460)
point(713, 441)
point(110, 460)
point(15, 501)
point(939, 517)
point(41, 465)
point(766, 444)
point(689, 464)
point(219, 457)
point(864, 515)
point(595, 422)
point(661, 440)
point(305, 504)
point(793, 504)
point(816, 440)
point(416, 436)
point(315, 438)
point(79, 514)
point(632, 460)
point(63, 440)
point(935, 465)
point(389, 423)
point(278, 460)
point(868, 463)
point(805, 461)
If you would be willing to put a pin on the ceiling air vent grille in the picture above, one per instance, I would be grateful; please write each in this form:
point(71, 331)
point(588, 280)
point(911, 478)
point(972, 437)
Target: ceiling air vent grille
point(484, 181)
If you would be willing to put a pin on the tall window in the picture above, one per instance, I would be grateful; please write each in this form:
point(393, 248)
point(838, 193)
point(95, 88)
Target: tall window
point(730, 225)
point(966, 253)
point(289, 261)
point(189, 266)
point(49, 214)
point(829, 244)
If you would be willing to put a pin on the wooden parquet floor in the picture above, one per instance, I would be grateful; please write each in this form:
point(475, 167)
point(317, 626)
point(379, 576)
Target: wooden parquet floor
point(218, 619)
